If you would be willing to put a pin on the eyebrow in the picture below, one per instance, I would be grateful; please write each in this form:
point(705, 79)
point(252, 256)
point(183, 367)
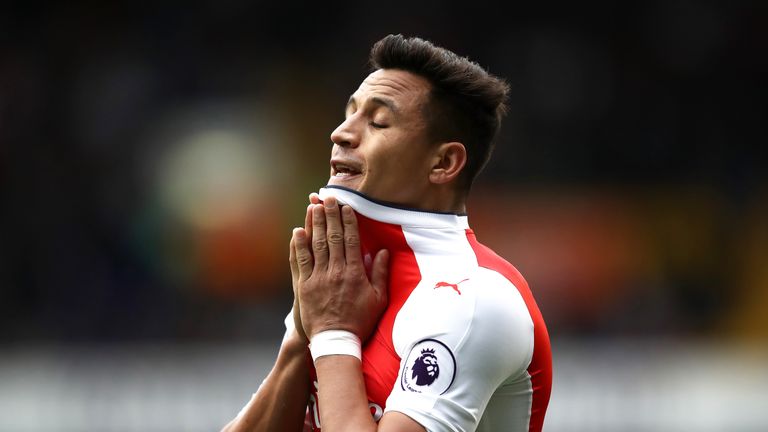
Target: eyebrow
point(376, 100)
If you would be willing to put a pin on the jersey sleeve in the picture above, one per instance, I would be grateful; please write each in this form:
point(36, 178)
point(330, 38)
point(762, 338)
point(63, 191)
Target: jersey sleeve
point(290, 326)
point(458, 342)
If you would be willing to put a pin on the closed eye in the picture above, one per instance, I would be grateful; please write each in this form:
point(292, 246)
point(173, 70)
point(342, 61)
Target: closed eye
point(378, 125)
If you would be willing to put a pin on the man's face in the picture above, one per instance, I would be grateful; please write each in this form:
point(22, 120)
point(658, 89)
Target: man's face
point(381, 148)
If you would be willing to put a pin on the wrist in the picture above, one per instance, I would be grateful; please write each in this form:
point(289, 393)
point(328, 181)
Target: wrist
point(294, 343)
point(335, 342)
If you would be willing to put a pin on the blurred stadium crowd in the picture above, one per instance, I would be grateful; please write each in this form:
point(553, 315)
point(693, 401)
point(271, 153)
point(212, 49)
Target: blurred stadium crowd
point(154, 158)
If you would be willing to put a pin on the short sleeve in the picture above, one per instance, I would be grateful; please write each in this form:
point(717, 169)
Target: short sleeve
point(458, 342)
point(289, 324)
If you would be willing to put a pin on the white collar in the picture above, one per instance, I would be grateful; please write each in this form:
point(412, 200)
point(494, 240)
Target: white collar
point(391, 213)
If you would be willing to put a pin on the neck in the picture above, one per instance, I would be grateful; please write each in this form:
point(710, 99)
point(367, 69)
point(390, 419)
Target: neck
point(444, 199)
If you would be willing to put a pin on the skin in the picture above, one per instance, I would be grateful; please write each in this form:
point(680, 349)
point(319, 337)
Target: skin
point(384, 141)
point(382, 150)
point(284, 394)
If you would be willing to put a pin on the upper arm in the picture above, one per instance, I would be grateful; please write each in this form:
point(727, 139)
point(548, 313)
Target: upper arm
point(476, 340)
point(394, 421)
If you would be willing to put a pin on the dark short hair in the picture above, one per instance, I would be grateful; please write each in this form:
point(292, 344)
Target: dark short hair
point(466, 103)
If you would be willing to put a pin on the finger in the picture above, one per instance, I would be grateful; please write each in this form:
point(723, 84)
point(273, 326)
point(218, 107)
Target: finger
point(351, 237)
point(295, 286)
point(304, 259)
point(335, 233)
point(308, 221)
point(379, 274)
point(314, 198)
point(292, 260)
point(319, 241)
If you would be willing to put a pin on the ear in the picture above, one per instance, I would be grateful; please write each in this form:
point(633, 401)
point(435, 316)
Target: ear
point(448, 161)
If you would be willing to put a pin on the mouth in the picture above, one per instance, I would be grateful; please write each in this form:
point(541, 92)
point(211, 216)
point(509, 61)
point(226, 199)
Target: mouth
point(344, 170)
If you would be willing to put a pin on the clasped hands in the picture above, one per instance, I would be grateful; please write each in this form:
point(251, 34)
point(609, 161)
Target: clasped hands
point(332, 290)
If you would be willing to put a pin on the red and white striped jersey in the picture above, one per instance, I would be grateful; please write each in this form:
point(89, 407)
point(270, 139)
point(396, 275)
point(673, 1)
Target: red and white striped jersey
point(462, 345)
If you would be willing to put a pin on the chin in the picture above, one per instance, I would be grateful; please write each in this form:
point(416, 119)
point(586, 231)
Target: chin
point(351, 182)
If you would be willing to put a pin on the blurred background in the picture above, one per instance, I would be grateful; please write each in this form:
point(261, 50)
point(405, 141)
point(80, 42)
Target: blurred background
point(153, 160)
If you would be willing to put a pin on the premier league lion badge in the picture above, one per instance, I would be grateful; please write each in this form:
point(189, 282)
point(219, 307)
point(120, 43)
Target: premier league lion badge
point(425, 368)
point(429, 368)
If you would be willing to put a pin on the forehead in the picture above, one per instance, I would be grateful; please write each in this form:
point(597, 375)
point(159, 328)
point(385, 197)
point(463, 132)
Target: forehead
point(405, 89)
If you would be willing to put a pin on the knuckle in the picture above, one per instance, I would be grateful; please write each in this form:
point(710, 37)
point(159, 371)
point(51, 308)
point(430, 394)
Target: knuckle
point(320, 244)
point(353, 239)
point(304, 260)
point(335, 238)
point(360, 277)
point(336, 274)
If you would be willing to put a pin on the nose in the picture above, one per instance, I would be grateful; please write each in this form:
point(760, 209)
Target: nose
point(345, 134)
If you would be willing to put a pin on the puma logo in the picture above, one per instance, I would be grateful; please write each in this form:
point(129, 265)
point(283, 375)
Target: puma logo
point(454, 286)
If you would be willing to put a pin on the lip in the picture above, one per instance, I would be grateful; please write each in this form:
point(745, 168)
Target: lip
point(349, 181)
point(338, 164)
point(345, 165)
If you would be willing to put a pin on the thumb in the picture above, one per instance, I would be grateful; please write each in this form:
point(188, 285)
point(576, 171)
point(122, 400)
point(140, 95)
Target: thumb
point(380, 274)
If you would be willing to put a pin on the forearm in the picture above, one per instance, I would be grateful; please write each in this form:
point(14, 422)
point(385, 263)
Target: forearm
point(280, 403)
point(341, 390)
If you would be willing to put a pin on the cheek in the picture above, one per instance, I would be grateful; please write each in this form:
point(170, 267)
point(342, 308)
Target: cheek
point(403, 157)
point(385, 160)
point(395, 159)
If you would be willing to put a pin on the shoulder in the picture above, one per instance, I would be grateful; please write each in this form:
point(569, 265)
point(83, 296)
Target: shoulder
point(482, 312)
point(487, 258)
